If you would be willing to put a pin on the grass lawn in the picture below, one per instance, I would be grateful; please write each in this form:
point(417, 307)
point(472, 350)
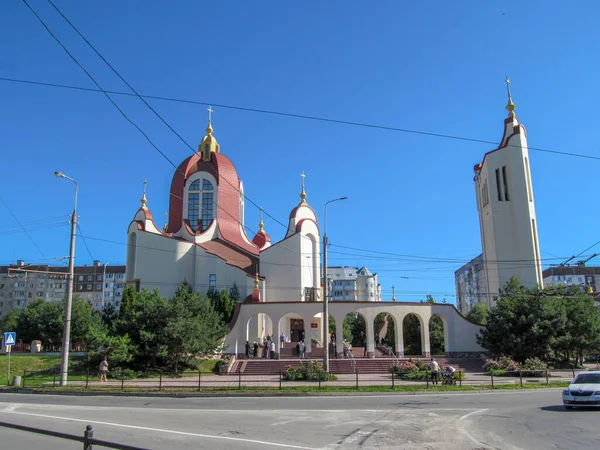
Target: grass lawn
point(227, 390)
point(33, 364)
point(77, 371)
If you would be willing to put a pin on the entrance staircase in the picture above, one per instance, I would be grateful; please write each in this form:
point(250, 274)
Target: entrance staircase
point(346, 366)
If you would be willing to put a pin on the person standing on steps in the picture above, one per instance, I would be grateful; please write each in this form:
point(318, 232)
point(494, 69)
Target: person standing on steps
point(272, 349)
point(435, 371)
point(247, 350)
point(282, 339)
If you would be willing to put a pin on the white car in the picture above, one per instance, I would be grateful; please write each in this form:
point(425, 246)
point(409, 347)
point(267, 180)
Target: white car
point(584, 391)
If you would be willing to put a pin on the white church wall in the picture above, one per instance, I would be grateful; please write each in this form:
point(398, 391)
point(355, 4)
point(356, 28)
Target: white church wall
point(161, 262)
point(507, 234)
point(280, 264)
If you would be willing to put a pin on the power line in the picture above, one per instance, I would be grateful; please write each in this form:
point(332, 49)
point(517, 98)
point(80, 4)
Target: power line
point(302, 116)
point(84, 242)
point(121, 111)
point(24, 230)
point(150, 107)
point(96, 83)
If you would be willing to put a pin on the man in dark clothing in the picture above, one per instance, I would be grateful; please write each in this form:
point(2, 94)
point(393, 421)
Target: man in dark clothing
point(255, 350)
point(247, 350)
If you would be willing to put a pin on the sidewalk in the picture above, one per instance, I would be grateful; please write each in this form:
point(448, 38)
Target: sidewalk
point(273, 381)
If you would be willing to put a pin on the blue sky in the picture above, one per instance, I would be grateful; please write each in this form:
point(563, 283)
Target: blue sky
point(430, 66)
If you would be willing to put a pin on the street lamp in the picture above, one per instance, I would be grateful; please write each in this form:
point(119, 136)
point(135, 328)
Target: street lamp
point(64, 364)
point(326, 296)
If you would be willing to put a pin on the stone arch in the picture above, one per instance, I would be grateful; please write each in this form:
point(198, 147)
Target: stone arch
point(438, 335)
point(413, 328)
point(354, 331)
point(385, 327)
point(258, 327)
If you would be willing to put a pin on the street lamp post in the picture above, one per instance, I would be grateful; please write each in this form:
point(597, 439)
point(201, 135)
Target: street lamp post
point(64, 364)
point(326, 291)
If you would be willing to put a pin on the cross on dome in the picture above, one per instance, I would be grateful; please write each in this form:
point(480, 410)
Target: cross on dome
point(303, 193)
point(510, 107)
point(261, 225)
point(209, 128)
point(144, 200)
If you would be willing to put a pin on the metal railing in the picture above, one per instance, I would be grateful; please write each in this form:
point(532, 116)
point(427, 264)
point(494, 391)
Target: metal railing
point(87, 439)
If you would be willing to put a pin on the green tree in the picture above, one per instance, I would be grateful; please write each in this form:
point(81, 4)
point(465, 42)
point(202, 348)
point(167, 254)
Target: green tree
point(582, 325)
point(143, 318)
point(84, 320)
point(234, 293)
point(193, 329)
point(10, 322)
point(478, 313)
point(436, 335)
point(412, 335)
point(524, 322)
point(355, 329)
point(222, 303)
point(109, 317)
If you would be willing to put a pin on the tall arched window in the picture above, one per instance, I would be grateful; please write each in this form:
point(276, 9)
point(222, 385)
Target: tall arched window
point(195, 194)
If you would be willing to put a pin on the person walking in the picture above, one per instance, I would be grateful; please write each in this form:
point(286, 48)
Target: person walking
point(272, 349)
point(302, 349)
point(247, 350)
point(435, 371)
point(103, 368)
point(282, 339)
point(255, 350)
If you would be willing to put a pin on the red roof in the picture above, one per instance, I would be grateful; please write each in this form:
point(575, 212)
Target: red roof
point(228, 185)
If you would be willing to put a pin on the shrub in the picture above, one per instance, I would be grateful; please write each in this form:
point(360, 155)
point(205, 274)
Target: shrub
point(534, 367)
point(309, 371)
point(492, 365)
point(314, 340)
point(225, 361)
point(421, 365)
point(504, 364)
point(403, 367)
point(508, 364)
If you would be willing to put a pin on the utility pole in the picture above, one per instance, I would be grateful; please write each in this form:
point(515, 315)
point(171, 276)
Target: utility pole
point(64, 364)
point(326, 291)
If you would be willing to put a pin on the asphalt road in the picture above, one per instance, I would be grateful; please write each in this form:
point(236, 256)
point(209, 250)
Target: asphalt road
point(492, 420)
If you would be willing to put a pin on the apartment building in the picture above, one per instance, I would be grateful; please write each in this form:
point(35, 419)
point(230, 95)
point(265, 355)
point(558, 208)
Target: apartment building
point(21, 284)
point(353, 284)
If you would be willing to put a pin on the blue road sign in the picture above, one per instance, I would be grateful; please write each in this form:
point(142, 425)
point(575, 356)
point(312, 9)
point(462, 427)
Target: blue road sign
point(10, 338)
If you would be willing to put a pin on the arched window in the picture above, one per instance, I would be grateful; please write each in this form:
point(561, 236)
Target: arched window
point(194, 196)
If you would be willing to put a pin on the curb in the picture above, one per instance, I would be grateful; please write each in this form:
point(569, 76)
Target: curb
point(248, 394)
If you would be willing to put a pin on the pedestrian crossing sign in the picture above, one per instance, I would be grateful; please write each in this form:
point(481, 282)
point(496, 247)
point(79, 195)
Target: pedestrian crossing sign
point(10, 338)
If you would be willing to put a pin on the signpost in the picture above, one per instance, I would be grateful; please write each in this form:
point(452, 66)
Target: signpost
point(10, 338)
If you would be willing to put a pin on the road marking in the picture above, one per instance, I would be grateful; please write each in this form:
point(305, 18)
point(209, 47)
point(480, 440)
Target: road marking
point(283, 422)
point(472, 413)
point(12, 407)
point(161, 430)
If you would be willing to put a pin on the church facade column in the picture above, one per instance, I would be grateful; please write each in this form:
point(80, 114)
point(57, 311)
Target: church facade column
point(370, 340)
point(399, 336)
point(339, 336)
point(425, 345)
point(277, 329)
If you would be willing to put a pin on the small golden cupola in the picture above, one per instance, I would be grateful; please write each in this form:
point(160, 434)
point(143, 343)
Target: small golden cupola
point(209, 143)
point(261, 239)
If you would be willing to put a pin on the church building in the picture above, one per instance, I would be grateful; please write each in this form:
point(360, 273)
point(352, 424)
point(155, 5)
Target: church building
point(206, 244)
point(508, 226)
